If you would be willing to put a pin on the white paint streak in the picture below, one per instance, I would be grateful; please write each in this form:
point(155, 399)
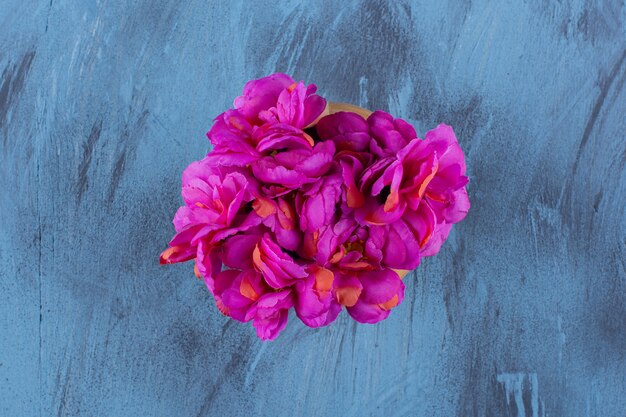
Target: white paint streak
point(513, 389)
point(559, 323)
point(399, 101)
point(254, 363)
point(363, 100)
point(534, 394)
point(514, 384)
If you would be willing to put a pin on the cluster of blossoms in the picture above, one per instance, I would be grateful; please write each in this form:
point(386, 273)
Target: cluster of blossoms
point(293, 210)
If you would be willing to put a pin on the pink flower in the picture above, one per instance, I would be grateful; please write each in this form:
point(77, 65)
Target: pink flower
point(431, 169)
point(360, 281)
point(315, 304)
point(214, 199)
point(289, 157)
point(270, 313)
point(352, 165)
point(389, 135)
point(280, 216)
point(236, 251)
point(261, 95)
point(446, 193)
point(356, 263)
point(381, 291)
point(395, 245)
point(349, 131)
point(243, 292)
point(236, 292)
point(444, 198)
point(269, 116)
point(324, 246)
point(213, 194)
point(317, 202)
point(427, 231)
point(231, 136)
point(392, 183)
point(297, 106)
point(294, 210)
point(278, 268)
point(244, 296)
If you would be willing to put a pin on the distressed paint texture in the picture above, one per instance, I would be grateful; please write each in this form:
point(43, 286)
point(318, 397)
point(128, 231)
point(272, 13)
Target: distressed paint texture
point(102, 105)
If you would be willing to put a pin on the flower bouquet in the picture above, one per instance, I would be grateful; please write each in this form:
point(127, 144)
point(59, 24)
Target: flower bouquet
point(314, 206)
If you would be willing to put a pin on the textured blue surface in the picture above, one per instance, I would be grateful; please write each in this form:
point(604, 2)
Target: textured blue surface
point(102, 105)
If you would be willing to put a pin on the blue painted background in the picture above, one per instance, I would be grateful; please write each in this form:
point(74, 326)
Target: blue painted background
point(102, 105)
